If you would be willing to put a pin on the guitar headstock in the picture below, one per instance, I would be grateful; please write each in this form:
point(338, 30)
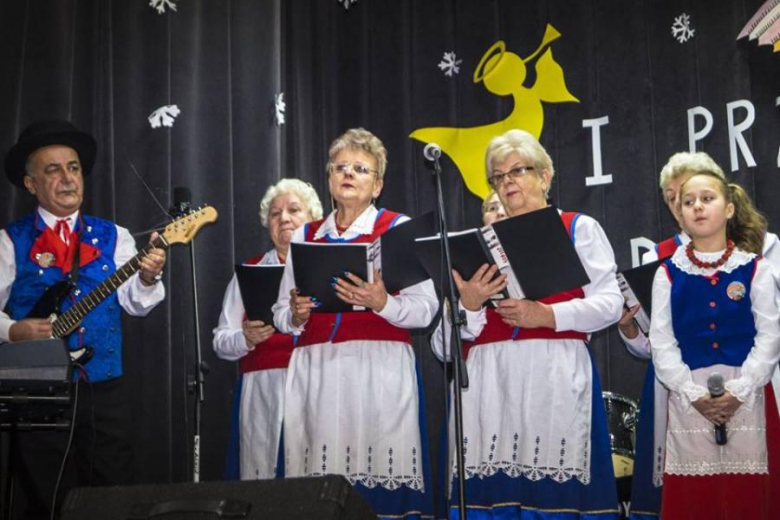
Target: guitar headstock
point(183, 229)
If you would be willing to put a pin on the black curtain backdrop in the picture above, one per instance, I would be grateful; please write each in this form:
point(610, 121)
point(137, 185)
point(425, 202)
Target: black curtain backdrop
point(107, 65)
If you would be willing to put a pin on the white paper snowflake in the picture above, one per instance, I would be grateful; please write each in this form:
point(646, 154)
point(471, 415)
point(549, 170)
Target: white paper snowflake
point(279, 106)
point(164, 116)
point(449, 64)
point(347, 3)
point(681, 28)
point(160, 5)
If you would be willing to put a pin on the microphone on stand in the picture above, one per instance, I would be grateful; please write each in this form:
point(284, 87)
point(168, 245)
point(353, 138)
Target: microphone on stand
point(716, 389)
point(182, 202)
point(432, 151)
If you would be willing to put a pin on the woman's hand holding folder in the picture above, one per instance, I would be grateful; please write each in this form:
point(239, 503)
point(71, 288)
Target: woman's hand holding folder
point(256, 331)
point(361, 293)
point(477, 290)
point(301, 307)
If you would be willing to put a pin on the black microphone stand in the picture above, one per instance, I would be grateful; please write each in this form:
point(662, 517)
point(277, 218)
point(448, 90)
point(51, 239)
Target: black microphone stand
point(195, 382)
point(457, 318)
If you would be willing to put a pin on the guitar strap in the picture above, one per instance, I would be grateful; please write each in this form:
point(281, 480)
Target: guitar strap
point(73, 276)
point(83, 354)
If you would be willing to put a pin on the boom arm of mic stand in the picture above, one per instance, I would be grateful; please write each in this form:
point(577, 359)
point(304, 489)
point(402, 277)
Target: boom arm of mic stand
point(460, 375)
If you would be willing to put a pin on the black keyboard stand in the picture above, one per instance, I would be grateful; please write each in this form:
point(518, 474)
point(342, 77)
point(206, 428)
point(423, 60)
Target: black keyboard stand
point(35, 395)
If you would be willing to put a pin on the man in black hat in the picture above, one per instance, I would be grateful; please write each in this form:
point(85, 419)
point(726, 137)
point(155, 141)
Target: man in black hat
point(54, 243)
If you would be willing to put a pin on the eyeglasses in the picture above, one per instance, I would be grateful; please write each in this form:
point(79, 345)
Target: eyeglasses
point(498, 177)
point(357, 168)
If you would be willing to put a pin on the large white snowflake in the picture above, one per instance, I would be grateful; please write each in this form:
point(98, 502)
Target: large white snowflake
point(164, 116)
point(681, 28)
point(347, 3)
point(449, 64)
point(160, 5)
point(279, 107)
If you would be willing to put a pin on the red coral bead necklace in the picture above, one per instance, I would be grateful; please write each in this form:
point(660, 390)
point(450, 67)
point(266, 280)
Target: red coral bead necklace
point(710, 265)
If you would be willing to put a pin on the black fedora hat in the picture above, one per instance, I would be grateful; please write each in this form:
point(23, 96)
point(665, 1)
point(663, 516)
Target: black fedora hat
point(45, 133)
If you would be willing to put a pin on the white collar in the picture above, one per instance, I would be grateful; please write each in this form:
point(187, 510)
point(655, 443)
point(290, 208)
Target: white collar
point(363, 225)
point(50, 219)
point(271, 258)
point(737, 259)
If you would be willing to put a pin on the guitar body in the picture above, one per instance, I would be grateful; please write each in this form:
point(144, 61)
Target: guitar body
point(50, 303)
point(50, 306)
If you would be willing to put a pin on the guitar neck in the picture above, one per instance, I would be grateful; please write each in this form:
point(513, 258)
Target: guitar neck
point(70, 319)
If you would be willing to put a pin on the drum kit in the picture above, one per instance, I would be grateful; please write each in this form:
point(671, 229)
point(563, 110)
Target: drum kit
point(622, 413)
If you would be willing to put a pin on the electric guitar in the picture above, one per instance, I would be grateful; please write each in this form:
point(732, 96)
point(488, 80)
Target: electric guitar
point(180, 231)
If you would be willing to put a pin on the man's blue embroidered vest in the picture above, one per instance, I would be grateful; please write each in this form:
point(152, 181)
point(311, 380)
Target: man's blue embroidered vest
point(101, 329)
point(711, 327)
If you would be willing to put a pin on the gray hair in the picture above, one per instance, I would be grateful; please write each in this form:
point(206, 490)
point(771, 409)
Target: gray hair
point(360, 139)
point(524, 144)
point(683, 163)
point(303, 190)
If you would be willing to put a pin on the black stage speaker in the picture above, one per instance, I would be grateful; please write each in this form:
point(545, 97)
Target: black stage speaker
point(321, 498)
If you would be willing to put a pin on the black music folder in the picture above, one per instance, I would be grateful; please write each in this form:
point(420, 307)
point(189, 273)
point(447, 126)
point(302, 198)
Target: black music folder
point(541, 253)
point(469, 251)
point(395, 257)
point(533, 250)
point(392, 254)
point(259, 286)
point(637, 287)
point(315, 266)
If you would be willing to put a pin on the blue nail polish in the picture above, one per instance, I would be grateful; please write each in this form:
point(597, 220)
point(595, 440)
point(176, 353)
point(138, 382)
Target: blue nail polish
point(346, 273)
point(335, 279)
point(314, 299)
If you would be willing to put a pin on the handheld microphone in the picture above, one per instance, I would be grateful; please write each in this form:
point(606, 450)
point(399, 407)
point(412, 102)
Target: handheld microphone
point(432, 151)
point(716, 389)
point(182, 202)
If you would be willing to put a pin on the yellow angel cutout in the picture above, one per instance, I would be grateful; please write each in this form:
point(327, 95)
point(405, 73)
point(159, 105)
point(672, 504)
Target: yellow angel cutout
point(503, 74)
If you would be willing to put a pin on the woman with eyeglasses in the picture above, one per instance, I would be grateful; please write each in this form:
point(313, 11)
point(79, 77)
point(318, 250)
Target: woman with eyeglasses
point(535, 431)
point(353, 400)
point(261, 352)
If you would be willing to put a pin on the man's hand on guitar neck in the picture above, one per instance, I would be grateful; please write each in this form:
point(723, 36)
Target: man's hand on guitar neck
point(29, 329)
point(152, 264)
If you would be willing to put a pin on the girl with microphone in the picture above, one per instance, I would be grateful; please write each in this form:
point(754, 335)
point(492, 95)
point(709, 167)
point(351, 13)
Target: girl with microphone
point(714, 311)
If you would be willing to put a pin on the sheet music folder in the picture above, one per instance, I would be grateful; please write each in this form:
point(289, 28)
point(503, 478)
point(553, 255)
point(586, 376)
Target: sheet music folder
point(541, 253)
point(399, 265)
point(315, 266)
point(637, 287)
point(259, 286)
point(533, 249)
point(468, 251)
